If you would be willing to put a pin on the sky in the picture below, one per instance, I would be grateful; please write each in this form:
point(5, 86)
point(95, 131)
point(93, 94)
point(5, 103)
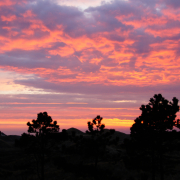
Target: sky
point(77, 59)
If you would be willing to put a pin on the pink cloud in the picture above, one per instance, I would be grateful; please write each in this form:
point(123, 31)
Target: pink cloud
point(128, 48)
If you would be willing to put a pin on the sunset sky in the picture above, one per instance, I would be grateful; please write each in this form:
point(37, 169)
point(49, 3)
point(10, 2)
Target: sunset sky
point(77, 59)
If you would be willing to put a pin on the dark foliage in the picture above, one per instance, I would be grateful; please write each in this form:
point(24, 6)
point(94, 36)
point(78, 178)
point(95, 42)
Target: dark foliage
point(41, 144)
point(43, 125)
point(26, 141)
point(95, 126)
point(96, 145)
point(149, 136)
point(157, 116)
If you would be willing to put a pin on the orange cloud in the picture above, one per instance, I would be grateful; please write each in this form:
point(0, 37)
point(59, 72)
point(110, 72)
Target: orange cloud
point(10, 18)
point(111, 46)
point(6, 3)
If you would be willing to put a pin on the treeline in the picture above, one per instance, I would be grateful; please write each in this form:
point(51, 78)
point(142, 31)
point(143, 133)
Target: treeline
point(151, 151)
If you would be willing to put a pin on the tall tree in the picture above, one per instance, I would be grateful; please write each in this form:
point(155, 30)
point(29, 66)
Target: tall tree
point(149, 131)
point(42, 127)
point(95, 129)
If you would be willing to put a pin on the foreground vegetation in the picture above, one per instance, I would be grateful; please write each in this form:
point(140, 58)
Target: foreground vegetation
point(152, 151)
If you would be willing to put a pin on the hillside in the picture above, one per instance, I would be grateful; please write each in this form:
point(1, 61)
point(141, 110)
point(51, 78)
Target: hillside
point(118, 134)
point(77, 131)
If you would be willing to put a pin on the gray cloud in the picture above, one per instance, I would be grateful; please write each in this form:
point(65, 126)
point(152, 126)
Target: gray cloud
point(86, 88)
point(173, 3)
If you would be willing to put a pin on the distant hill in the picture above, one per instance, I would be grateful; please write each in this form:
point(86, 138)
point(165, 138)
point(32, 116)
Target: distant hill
point(77, 131)
point(2, 134)
point(14, 137)
point(118, 134)
point(9, 137)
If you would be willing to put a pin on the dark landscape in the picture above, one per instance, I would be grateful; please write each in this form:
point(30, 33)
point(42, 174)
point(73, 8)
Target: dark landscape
point(67, 160)
point(151, 151)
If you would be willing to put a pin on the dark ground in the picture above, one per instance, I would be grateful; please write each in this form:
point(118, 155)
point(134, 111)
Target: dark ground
point(73, 159)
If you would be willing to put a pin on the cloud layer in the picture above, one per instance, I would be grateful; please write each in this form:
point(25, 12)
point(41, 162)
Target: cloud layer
point(115, 51)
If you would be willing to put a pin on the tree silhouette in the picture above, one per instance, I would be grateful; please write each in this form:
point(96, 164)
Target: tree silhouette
point(149, 132)
point(42, 127)
point(97, 123)
point(95, 129)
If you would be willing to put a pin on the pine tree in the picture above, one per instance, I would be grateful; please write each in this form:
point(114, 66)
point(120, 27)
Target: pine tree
point(149, 131)
point(42, 127)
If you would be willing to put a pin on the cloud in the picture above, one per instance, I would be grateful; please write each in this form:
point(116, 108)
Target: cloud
point(173, 3)
point(86, 88)
point(113, 51)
